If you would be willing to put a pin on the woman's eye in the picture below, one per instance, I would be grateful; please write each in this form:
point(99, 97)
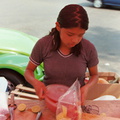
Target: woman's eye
point(80, 35)
point(70, 35)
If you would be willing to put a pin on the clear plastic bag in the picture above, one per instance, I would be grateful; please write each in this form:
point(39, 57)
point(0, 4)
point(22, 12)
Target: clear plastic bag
point(69, 104)
point(3, 106)
point(3, 99)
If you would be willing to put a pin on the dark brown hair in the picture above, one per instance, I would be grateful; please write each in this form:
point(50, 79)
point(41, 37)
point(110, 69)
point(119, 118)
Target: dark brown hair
point(70, 16)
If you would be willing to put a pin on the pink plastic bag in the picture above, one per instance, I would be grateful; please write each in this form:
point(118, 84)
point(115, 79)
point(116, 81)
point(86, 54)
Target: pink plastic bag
point(69, 104)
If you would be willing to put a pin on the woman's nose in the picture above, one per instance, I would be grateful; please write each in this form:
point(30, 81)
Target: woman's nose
point(75, 39)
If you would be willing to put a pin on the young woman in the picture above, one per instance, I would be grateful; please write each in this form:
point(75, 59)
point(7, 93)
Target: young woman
point(65, 53)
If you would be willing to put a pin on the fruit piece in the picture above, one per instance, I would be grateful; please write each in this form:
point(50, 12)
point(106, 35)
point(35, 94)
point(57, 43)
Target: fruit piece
point(73, 112)
point(103, 114)
point(118, 97)
point(102, 81)
point(21, 107)
point(64, 109)
point(60, 116)
point(35, 109)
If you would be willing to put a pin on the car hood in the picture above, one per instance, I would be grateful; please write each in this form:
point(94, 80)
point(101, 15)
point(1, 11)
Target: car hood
point(15, 41)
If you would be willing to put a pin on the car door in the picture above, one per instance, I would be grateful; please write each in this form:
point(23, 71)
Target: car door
point(112, 1)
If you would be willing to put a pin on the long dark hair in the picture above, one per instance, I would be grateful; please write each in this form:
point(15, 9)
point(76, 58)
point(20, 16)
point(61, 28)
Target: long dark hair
point(70, 16)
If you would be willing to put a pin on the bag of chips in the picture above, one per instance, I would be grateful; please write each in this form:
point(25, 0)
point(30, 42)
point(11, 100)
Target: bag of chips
point(69, 105)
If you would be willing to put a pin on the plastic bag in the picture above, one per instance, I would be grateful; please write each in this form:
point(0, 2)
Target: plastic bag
point(3, 99)
point(69, 106)
point(3, 106)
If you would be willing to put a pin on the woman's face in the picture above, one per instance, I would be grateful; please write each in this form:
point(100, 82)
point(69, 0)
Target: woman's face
point(71, 36)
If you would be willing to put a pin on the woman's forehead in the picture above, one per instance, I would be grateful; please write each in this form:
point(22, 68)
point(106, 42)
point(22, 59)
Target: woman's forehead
point(75, 30)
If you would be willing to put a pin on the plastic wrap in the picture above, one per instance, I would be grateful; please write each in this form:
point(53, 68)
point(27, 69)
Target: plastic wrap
point(69, 104)
point(3, 99)
point(3, 105)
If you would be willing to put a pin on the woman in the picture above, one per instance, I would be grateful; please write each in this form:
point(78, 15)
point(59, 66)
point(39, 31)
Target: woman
point(65, 54)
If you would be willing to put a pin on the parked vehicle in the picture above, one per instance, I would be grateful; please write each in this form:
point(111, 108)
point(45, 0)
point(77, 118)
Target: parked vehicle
point(15, 48)
point(101, 3)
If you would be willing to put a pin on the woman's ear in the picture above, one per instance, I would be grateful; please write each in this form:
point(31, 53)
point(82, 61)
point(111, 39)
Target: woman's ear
point(57, 26)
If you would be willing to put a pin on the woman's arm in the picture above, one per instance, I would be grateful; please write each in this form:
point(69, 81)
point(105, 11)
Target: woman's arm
point(38, 85)
point(93, 71)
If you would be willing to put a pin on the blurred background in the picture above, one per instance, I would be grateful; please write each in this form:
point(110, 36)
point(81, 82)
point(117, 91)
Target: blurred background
point(37, 17)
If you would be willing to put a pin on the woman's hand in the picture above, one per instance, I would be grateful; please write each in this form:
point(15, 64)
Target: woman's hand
point(38, 85)
point(84, 91)
point(40, 89)
point(92, 81)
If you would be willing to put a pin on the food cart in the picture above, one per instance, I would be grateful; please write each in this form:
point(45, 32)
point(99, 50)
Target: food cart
point(107, 109)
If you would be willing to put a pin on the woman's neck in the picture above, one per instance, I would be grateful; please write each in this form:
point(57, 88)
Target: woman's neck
point(65, 51)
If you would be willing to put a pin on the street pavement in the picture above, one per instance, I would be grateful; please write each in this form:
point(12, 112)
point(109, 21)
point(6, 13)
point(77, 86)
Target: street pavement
point(37, 17)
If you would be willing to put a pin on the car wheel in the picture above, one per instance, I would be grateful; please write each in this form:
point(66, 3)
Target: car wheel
point(13, 78)
point(98, 3)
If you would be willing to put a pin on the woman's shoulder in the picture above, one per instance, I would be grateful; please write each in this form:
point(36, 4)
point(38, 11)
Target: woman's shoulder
point(44, 43)
point(87, 44)
point(86, 41)
point(45, 39)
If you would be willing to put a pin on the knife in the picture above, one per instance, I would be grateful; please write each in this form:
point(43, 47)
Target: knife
point(12, 106)
point(38, 115)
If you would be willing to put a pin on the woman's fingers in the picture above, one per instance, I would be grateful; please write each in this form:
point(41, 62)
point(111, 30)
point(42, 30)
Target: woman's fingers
point(42, 94)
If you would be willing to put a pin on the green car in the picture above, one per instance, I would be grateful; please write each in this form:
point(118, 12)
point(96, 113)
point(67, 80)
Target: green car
point(15, 48)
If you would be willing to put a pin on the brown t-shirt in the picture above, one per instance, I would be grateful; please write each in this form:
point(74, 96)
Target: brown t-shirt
point(63, 69)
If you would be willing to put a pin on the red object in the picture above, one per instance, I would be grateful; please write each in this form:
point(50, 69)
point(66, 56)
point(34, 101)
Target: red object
point(53, 93)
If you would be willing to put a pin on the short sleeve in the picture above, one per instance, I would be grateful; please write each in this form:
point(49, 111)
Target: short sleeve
point(90, 53)
point(36, 54)
point(93, 57)
point(41, 49)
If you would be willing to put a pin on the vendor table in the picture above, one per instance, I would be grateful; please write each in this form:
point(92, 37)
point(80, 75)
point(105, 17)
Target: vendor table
point(46, 113)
